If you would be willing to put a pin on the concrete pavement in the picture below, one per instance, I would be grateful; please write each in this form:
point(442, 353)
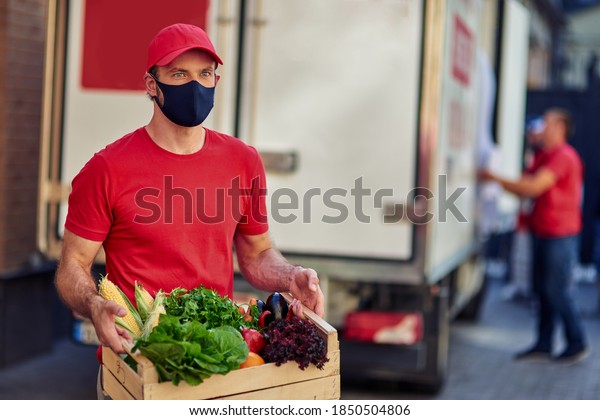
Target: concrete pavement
point(481, 364)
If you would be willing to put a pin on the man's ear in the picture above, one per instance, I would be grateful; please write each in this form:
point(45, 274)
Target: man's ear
point(217, 78)
point(150, 85)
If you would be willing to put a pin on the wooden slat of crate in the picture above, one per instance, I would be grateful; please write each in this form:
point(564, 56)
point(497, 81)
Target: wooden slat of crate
point(240, 381)
point(123, 373)
point(327, 388)
point(113, 387)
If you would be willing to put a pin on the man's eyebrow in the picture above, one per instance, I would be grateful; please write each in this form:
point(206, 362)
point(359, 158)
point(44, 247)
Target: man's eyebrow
point(177, 70)
point(182, 70)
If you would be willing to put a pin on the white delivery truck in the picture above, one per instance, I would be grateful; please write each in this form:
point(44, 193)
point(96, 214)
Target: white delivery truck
point(368, 115)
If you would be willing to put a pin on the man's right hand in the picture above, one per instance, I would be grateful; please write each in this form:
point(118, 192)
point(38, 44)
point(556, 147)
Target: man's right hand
point(103, 317)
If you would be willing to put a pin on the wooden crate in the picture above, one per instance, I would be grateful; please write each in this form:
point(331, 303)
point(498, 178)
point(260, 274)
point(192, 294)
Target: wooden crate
point(265, 382)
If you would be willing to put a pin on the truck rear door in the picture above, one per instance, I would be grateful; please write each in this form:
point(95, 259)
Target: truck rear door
point(331, 101)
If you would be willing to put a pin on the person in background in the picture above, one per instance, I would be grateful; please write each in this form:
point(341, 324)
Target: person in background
point(554, 182)
point(520, 284)
point(170, 201)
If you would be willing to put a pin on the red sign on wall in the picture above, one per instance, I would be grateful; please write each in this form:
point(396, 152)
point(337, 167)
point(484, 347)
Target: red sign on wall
point(117, 33)
point(462, 51)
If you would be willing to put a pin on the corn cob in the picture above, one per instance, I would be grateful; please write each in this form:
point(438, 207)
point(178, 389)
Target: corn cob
point(158, 308)
point(143, 301)
point(131, 321)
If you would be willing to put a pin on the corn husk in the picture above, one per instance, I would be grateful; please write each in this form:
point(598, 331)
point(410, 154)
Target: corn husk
point(143, 301)
point(153, 318)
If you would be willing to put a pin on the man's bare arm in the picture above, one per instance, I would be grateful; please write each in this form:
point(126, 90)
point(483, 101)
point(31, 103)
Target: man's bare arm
point(263, 266)
point(74, 281)
point(77, 289)
point(528, 186)
point(266, 269)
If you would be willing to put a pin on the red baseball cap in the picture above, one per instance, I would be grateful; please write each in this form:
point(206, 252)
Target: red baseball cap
point(174, 40)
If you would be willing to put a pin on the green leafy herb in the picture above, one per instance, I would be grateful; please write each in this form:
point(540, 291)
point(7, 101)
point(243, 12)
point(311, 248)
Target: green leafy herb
point(187, 350)
point(207, 307)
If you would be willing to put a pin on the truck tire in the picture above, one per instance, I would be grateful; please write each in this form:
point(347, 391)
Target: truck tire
point(437, 338)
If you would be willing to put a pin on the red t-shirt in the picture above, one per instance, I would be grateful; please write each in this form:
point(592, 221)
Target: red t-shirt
point(168, 220)
point(531, 162)
point(557, 212)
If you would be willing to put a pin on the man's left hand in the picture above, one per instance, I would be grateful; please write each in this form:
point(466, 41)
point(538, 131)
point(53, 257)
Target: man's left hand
point(305, 288)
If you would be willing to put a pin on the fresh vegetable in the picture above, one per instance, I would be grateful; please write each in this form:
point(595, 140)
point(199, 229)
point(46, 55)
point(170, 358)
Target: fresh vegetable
point(260, 306)
point(254, 313)
point(187, 350)
point(132, 321)
point(153, 316)
point(277, 305)
point(254, 339)
point(290, 313)
point(207, 307)
point(295, 339)
point(266, 317)
point(252, 360)
point(248, 317)
point(143, 301)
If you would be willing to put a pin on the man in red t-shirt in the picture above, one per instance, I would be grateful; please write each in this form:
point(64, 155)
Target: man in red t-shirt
point(555, 183)
point(170, 201)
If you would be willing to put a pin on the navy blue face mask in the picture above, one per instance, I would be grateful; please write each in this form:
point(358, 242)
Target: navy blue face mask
point(187, 105)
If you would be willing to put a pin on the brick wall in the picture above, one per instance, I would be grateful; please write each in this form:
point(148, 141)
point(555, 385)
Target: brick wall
point(22, 37)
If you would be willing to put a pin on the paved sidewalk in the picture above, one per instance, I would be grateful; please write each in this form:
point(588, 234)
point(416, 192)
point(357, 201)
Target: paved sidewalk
point(67, 373)
point(481, 356)
point(481, 364)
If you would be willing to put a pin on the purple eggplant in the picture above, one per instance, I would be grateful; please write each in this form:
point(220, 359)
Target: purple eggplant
point(277, 305)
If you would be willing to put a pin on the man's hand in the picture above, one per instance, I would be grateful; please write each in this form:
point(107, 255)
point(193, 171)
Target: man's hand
point(485, 175)
point(103, 317)
point(305, 288)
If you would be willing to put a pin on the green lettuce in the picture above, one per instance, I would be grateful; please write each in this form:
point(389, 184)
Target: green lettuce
point(187, 350)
